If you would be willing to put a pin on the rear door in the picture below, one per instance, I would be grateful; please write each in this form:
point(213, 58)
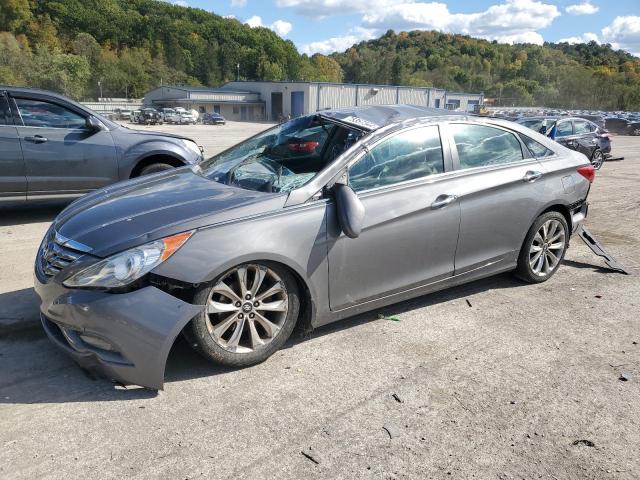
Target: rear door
point(62, 156)
point(585, 137)
point(498, 187)
point(13, 180)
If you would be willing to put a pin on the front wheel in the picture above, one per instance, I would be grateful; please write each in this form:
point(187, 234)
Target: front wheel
point(250, 313)
point(543, 248)
point(155, 168)
point(597, 159)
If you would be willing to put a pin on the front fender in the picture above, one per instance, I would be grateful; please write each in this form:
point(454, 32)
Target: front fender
point(140, 151)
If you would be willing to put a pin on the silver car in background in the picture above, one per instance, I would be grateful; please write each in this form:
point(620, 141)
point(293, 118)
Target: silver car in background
point(318, 219)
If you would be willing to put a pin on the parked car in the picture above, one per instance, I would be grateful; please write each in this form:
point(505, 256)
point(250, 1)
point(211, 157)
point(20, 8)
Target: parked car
point(168, 115)
point(150, 116)
point(395, 202)
point(618, 125)
point(186, 118)
point(123, 113)
point(213, 119)
point(56, 148)
point(574, 133)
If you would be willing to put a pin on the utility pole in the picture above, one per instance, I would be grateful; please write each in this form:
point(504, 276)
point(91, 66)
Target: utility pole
point(238, 74)
point(100, 85)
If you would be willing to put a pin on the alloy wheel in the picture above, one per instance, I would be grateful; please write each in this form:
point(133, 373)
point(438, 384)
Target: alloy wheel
point(247, 308)
point(597, 159)
point(547, 248)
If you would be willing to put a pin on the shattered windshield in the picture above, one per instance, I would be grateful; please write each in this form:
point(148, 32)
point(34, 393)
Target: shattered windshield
point(282, 158)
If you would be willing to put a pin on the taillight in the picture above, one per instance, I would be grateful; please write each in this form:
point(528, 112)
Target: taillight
point(588, 172)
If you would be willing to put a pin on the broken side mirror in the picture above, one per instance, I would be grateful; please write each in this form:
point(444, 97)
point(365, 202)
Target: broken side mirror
point(350, 210)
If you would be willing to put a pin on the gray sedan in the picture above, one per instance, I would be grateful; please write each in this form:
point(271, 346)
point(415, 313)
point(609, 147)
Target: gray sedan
point(54, 148)
point(315, 220)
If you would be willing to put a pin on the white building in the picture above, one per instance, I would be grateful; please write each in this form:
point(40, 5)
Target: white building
point(254, 100)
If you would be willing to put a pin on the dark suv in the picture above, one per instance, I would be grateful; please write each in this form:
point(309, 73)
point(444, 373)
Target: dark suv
point(54, 148)
point(574, 133)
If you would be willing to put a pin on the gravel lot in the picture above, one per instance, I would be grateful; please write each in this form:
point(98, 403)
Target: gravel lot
point(495, 379)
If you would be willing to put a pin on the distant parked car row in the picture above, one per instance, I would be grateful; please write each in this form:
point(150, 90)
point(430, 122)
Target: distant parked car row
point(176, 116)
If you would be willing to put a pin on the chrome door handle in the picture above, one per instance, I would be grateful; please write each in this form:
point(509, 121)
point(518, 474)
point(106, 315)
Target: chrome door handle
point(443, 201)
point(531, 176)
point(36, 139)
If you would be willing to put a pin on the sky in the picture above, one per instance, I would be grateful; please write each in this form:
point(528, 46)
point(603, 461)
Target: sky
point(326, 26)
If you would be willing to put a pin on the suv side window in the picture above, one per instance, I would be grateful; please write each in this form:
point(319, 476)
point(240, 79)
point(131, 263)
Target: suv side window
point(481, 145)
point(564, 129)
point(5, 113)
point(536, 148)
point(38, 113)
point(409, 155)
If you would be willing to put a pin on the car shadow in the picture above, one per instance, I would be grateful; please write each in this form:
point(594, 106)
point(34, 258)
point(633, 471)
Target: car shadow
point(26, 214)
point(56, 379)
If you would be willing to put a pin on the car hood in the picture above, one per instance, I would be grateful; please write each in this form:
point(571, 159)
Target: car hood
point(135, 212)
point(150, 133)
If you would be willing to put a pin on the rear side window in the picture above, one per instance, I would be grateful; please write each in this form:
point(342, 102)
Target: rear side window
point(37, 113)
point(536, 148)
point(480, 145)
point(409, 155)
point(564, 129)
point(5, 113)
point(581, 127)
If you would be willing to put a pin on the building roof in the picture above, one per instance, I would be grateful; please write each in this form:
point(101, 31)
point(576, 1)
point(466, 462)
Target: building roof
point(373, 117)
point(188, 88)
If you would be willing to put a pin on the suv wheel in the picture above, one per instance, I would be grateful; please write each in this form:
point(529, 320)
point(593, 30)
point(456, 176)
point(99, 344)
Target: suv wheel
point(250, 313)
point(543, 248)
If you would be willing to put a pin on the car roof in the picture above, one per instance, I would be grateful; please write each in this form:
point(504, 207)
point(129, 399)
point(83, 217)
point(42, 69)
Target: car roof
point(374, 117)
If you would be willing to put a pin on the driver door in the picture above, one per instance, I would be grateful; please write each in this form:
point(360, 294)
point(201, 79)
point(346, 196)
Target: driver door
point(62, 157)
point(411, 221)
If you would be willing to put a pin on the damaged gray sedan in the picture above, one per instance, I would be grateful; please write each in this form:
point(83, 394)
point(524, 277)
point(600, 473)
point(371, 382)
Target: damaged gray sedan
point(312, 221)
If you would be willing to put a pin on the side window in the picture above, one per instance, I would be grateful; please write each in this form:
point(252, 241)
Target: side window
point(5, 113)
point(480, 145)
point(564, 129)
point(536, 148)
point(411, 154)
point(37, 113)
point(581, 127)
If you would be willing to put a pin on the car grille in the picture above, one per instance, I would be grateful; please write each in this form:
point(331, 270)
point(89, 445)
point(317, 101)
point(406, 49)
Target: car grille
point(53, 257)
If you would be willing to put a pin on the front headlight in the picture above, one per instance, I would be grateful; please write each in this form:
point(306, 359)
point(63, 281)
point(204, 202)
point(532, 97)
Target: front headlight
point(193, 147)
point(125, 267)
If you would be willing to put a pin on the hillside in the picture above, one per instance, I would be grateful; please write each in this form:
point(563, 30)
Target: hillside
point(130, 46)
point(556, 75)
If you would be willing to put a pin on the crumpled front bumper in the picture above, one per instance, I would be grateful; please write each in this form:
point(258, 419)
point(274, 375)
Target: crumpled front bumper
point(126, 337)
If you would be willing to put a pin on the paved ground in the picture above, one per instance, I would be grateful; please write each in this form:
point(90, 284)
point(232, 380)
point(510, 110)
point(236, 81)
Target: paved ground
point(495, 379)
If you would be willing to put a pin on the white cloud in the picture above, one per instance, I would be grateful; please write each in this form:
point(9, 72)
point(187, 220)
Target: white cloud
point(326, 8)
point(281, 27)
point(585, 8)
point(513, 21)
point(182, 3)
point(338, 44)
point(584, 38)
point(624, 33)
point(238, 3)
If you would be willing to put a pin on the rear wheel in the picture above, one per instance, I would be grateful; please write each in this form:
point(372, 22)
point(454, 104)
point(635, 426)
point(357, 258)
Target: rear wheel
point(597, 159)
point(543, 248)
point(250, 313)
point(155, 168)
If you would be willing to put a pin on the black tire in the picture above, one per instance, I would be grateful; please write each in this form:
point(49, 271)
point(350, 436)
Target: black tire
point(197, 331)
point(597, 159)
point(155, 168)
point(524, 270)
